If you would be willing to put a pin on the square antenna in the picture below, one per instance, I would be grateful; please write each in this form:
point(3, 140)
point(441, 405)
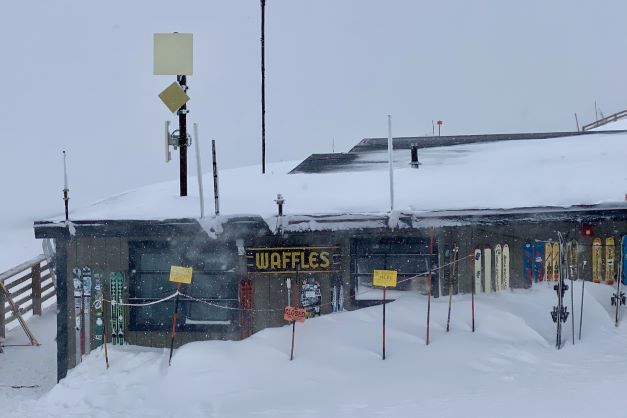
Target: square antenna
point(173, 53)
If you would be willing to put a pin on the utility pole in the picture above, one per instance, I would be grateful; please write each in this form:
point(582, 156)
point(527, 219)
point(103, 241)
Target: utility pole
point(263, 87)
point(182, 113)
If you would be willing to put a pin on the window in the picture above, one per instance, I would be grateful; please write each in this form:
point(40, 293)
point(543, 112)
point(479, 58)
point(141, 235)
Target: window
point(409, 256)
point(214, 283)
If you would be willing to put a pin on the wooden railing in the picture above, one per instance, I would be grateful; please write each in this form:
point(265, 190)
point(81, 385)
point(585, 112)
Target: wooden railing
point(30, 284)
point(611, 118)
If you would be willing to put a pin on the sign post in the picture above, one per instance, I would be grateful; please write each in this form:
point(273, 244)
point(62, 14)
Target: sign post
point(384, 278)
point(178, 275)
point(173, 55)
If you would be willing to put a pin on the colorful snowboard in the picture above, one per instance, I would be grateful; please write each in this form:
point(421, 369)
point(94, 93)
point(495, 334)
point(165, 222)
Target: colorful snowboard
point(538, 262)
point(498, 267)
point(487, 269)
point(99, 321)
point(556, 262)
point(86, 278)
point(597, 260)
point(609, 260)
point(527, 265)
point(477, 270)
point(78, 312)
point(505, 267)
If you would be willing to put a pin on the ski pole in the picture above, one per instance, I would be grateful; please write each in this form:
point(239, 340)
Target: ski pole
point(384, 289)
point(176, 308)
point(583, 283)
point(472, 302)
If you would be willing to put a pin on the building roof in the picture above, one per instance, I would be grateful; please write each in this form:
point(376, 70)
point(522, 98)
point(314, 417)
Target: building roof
point(561, 171)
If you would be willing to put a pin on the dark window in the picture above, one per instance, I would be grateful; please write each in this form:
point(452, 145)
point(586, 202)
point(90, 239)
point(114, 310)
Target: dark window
point(410, 257)
point(214, 284)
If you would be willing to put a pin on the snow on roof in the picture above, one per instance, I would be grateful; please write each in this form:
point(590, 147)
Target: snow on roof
point(578, 170)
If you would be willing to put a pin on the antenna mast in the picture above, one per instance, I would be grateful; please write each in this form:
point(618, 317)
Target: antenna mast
point(66, 190)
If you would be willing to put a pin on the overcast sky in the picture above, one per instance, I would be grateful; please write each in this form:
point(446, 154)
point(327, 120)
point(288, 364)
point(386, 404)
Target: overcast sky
point(77, 75)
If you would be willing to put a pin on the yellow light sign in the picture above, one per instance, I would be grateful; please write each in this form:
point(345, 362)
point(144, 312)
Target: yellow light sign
point(181, 274)
point(384, 278)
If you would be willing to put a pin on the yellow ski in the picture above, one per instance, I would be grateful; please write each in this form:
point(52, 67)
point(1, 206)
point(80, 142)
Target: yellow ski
point(556, 261)
point(548, 262)
point(597, 260)
point(609, 260)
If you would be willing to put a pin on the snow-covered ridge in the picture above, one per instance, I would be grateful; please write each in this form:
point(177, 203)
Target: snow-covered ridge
point(563, 172)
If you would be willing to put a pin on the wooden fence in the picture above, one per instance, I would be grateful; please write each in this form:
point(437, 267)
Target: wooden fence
point(611, 118)
point(30, 284)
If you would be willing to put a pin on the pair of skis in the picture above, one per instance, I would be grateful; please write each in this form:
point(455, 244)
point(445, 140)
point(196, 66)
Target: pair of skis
point(501, 268)
point(597, 260)
point(81, 279)
point(618, 298)
point(84, 279)
point(116, 284)
point(560, 313)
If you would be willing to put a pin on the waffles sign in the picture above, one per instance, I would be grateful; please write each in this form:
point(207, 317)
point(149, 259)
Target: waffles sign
point(323, 259)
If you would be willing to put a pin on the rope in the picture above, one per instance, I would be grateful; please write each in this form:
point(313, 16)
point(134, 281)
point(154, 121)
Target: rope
point(154, 302)
point(230, 308)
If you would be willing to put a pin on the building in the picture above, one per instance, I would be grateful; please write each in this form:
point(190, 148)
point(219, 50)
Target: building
point(327, 247)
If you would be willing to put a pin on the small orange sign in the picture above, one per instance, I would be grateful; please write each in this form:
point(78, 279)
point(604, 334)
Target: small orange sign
point(294, 314)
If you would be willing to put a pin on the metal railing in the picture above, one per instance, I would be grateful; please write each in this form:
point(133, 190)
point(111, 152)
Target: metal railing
point(30, 284)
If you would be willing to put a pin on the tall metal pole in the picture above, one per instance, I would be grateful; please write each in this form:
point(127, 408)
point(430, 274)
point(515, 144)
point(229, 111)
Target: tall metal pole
point(199, 172)
point(263, 88)
point(182, 112)
point(216, 194)
point(66, 190)
point(390, 148)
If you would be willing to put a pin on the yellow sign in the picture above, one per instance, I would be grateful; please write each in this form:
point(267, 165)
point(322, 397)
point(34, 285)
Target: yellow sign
point(181, 274)
point(384, 278)
point(174, 97)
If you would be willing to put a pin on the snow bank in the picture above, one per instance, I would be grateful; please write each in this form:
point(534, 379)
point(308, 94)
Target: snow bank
point(554, 172)
point(508, 367)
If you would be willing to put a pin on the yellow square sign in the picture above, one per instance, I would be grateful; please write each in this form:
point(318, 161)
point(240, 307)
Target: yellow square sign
point(181, 274)
point(174, 97)
point(384, 278)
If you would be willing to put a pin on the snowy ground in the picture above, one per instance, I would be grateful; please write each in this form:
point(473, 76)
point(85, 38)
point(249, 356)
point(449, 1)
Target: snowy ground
point(27, 365)
point(507, 368)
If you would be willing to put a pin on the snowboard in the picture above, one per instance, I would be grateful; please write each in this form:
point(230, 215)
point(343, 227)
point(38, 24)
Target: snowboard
point(98, 276)
point(527, 264)
point(340, 299)
point(477, 270)
point(556, 261)
point(609, 260)
point(505, 266)
point(548, 262)
point(538, 262)
point(311, 297)
point(498, 267)
point(487, 269)
point(78, 312)
point(86, 279)
point(334, 307)
point(597, 260)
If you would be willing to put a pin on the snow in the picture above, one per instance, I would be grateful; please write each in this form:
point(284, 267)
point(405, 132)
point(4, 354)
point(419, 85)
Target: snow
point(581, 170)
point(508, 367)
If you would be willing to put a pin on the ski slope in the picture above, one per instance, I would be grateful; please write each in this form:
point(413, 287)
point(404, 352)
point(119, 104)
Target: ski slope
point(508, 368)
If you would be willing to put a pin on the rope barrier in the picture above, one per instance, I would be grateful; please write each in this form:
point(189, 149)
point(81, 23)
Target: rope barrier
point(99, 302)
